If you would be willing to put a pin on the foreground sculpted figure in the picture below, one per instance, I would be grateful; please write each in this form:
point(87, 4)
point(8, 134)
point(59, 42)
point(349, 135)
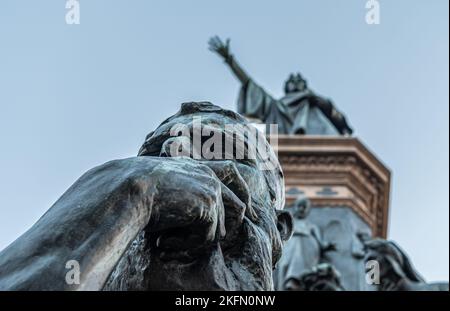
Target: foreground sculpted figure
point(156, 222)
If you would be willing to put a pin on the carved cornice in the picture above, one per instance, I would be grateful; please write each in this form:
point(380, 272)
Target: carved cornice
point(337, 171)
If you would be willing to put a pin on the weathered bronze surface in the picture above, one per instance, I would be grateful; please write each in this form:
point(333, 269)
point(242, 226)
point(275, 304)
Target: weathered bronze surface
point(155, 222)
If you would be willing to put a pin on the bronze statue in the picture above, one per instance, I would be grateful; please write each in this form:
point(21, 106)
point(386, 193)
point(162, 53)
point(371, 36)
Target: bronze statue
point(301, 111)
point(396, 270)
point(159, 222)
point(303, 253)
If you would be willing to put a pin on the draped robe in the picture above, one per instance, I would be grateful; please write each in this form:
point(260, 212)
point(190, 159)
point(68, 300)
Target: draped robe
point(296, 113)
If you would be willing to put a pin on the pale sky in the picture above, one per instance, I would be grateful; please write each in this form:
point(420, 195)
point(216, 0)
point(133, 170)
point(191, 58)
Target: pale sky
point(75, 96)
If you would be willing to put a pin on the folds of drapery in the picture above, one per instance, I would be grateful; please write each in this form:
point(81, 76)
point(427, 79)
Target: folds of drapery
point(297, 113)
point(254, 102)
point(292, 266)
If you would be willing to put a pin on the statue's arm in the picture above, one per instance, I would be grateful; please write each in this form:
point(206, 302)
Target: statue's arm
point(223, 49)
point(90, 225)
point(237, 70)
point(97, 218)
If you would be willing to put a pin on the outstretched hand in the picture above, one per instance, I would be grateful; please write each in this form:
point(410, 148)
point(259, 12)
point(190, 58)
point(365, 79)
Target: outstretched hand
point(216, 45)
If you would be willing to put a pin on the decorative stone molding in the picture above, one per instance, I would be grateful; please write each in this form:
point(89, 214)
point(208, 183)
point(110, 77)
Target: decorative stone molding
point(337, 171)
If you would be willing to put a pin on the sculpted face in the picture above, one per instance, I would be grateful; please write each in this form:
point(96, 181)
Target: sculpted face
point(301, 208)
point(294, 84)
point(244, 257)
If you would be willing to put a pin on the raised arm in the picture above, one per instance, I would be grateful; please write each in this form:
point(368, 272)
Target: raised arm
point(223, 49)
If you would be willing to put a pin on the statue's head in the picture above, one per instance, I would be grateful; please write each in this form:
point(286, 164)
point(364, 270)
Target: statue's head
point(392, 261)
point(295, 83)
point(244, 259)
point(301, 207)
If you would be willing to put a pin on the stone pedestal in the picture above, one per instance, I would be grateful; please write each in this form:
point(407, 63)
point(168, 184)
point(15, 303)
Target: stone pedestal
point(349, 191)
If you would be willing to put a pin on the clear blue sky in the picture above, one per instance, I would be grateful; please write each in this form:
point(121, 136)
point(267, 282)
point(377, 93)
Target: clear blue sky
point(73, 97)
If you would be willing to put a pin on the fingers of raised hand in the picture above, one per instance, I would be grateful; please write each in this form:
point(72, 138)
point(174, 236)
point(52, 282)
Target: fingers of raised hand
point(227, 45)
point(215, 43)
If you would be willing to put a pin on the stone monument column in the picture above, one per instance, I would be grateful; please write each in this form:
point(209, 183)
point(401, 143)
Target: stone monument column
point(349, 192)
